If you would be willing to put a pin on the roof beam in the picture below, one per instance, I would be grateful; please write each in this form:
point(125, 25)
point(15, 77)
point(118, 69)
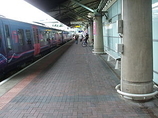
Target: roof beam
point(101, 5)
point(74, 13)
point(83, 6)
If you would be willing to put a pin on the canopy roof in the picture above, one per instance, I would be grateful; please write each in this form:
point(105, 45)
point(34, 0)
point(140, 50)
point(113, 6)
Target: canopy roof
point(69, 12)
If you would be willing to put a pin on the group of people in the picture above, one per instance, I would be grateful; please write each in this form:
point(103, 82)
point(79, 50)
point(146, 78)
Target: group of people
point(82, 38)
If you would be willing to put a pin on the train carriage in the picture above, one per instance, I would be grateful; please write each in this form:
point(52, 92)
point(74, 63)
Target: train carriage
point(21, 42)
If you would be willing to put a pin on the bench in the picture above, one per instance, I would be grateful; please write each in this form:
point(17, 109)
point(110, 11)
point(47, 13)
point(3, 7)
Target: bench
point(115, 56)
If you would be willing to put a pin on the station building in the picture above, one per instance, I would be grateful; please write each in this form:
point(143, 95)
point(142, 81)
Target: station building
point(126, 30)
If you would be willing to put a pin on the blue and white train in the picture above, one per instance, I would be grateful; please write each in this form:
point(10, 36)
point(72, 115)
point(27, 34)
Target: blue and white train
point(21, 42)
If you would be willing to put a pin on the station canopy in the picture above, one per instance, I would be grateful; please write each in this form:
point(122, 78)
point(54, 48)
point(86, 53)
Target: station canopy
point(70, 12)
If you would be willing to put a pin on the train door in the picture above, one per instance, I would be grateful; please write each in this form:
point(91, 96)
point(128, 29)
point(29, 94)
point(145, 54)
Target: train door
point(36, 40)
point(3, 55)
point(8, 42)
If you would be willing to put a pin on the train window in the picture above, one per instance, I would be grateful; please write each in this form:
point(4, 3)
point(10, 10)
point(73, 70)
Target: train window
point(42, 35)
point(7, 31)
point(28, 34)
point(45, 36)
point(21, 36)
point(8, 36)
point(52, 35)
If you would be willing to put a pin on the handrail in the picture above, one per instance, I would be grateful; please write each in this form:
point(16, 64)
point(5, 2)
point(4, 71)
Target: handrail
point(136, 96)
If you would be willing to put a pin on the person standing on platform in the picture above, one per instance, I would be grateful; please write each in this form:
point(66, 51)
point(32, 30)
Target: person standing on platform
point(86, 38)
point(81, 37)
point(76, 38)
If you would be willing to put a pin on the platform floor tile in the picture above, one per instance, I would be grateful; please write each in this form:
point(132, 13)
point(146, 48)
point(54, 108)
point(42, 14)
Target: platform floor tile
point(78, 85)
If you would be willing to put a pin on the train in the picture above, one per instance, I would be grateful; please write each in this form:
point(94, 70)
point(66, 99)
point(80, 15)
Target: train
point(21, 42)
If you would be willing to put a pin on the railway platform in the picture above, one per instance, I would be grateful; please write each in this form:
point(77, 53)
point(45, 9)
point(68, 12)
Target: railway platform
point(72, 84)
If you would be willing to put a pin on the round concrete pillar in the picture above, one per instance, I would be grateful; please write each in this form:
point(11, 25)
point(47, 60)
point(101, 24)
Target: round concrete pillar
point(98, 35)
point(137, 59)
point(91, 33)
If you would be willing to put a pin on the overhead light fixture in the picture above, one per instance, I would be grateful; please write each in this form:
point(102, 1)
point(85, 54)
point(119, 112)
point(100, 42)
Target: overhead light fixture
point(91, 15)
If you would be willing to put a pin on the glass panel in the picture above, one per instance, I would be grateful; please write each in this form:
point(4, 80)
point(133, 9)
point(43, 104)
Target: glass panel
point(111, 37)
point(21, 36)
point(28, 34)
point(114, 9)
point(155, 38)
point(119, 6)
point(8, 36)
